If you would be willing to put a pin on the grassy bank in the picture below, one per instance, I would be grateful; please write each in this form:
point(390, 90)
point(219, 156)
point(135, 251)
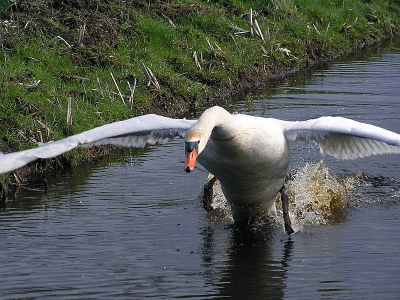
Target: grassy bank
point(102, 55)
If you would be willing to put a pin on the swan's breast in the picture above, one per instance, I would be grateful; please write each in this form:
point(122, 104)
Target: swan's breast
point(250, 156)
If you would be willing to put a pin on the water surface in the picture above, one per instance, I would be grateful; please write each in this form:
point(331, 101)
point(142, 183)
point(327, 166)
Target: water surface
point(134, 227)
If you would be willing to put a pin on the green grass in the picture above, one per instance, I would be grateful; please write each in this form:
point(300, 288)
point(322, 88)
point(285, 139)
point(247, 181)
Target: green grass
point(37, 79)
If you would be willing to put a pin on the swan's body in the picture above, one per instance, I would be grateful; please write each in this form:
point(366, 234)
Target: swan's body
point(249, 155)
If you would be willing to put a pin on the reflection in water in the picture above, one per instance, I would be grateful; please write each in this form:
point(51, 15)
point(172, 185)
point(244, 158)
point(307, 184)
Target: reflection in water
point(286, 253)
point(250, 266)
point(3, 206)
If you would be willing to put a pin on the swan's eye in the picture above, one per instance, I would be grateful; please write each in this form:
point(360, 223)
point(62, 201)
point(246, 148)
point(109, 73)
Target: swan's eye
point(198, 142)
point(189, 146)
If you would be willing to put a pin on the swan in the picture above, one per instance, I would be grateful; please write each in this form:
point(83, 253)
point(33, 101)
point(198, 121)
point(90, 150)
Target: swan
point(248, 155)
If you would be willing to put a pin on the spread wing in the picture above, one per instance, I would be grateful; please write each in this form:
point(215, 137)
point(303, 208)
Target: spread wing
point(136, 132)
point(343, 138)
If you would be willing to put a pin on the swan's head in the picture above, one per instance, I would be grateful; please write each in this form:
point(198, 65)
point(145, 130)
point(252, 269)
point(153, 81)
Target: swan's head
point(194, 145)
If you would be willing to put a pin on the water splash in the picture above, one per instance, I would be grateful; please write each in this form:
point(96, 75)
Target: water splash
point(221, 210)
point(373, 190)
point(318, 197)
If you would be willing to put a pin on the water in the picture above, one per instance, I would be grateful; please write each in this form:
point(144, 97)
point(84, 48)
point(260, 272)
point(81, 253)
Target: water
point(133, 227)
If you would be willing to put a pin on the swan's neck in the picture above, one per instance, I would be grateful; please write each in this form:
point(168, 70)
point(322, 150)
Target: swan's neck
point(213, 118)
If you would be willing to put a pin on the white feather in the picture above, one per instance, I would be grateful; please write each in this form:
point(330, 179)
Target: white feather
point(135, 132)
point(343, 138)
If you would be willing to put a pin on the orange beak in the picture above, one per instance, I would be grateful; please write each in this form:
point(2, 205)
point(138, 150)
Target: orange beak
point(190, 161)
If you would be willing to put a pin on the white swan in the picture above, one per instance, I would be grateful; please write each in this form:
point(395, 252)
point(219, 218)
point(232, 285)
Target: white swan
point(249, 155)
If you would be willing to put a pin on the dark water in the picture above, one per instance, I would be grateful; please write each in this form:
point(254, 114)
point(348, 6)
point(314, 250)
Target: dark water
point(134, 227)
